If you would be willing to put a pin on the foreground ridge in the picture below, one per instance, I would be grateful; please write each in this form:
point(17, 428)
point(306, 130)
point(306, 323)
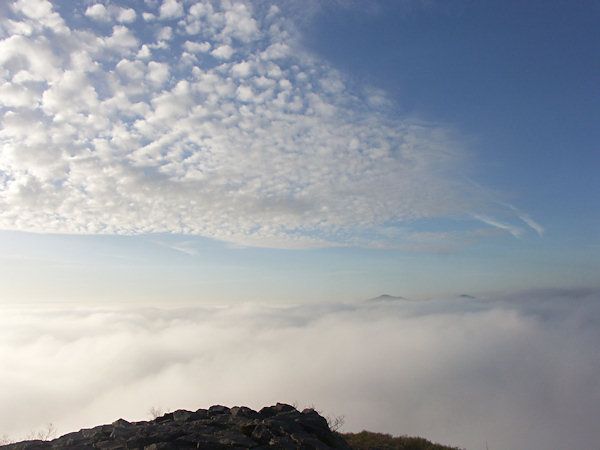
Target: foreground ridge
point(219, 427)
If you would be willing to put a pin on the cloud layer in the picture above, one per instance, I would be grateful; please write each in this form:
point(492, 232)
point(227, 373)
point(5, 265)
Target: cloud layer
point(515, 372)
point(209, 119)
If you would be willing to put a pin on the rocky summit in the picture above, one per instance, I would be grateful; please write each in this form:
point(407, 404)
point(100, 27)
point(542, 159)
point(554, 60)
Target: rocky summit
point(219, 427)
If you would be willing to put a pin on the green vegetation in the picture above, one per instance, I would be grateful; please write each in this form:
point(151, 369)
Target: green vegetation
point(377, 441)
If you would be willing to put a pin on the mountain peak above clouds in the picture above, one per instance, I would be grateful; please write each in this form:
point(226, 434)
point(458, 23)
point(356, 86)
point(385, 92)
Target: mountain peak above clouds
point(385, 298)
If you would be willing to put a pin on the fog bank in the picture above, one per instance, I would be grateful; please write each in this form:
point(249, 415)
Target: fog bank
point(518, 371)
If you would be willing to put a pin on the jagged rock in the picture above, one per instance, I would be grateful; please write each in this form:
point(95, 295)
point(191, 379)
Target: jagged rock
point(280, 426)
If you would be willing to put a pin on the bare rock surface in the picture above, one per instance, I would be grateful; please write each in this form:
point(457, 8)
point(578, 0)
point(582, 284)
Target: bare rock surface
point(219, 427)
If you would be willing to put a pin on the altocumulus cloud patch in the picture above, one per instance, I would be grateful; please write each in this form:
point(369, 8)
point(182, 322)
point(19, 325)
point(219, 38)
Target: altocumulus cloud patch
point(515, 372)
point(205, 118)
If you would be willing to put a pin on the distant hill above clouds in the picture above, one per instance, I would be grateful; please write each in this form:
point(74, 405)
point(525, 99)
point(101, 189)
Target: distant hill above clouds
point(385, 298)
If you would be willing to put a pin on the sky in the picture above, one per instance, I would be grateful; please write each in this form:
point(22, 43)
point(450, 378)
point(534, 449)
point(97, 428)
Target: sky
point(179, 169)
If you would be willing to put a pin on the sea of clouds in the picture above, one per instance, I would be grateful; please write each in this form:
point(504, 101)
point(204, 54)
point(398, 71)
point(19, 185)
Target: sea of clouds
point(516, 371)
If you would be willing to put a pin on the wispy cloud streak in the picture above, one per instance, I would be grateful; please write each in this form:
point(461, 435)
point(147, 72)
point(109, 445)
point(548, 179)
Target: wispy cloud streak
point(510, 228)
point(539, 229)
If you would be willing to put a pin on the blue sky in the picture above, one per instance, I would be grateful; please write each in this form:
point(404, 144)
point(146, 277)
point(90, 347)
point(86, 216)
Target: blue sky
point(412, 144)
point(520, 78)
point(190, 191)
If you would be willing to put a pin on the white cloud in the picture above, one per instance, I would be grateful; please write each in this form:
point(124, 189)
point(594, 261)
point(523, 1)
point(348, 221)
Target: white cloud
point(171, 9)
point(158, 73)
point(19, 55)
point(144, 52)
point(240, 24)
point(41, 11)
point(266, 146)
point(332, 84)
point(245, 94)
point(122, 40)
point(98, 12)
point(165, 33)
point(223, 52)
point(69, 95)
point(101, 13)
point(126, 15)
point(242, 69)
point(197, 47)
point(276, 51)
point(18, 96)
point(14, 27)
point(35, 9)
point(201, 9)
point(148, 17)
point(431, 368)
point(131, 69)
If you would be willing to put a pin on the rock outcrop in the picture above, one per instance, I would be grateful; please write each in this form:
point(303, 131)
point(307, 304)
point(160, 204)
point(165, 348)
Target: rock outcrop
point(219, 427)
